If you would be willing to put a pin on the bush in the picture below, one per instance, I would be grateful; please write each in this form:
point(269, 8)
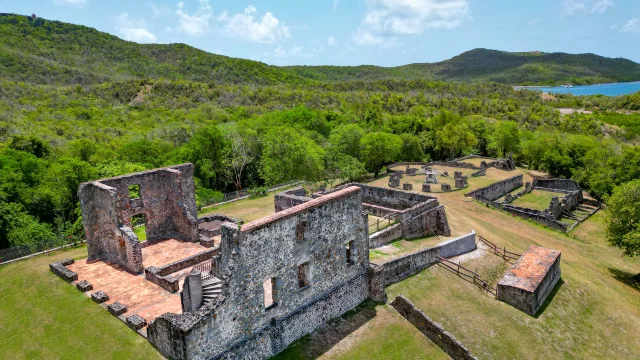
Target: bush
point(258, 192)
point(206, 197)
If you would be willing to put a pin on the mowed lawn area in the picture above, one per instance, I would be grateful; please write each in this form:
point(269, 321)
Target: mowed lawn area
point(537, 199)
point(42, 317)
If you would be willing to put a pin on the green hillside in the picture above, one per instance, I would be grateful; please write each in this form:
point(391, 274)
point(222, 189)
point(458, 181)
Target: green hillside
point(52, 52)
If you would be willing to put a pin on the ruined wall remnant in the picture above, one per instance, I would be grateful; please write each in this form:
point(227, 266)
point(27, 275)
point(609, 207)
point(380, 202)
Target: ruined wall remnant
point(394, 182)
point(407, 186)
point(385, 236)
point(290, 198)
point(323, 241)
point(557, 184)
point(167, 199)
point(431, 329)
point(445, 187)
point(497, 190)
point(531, 279)
point(426, 188)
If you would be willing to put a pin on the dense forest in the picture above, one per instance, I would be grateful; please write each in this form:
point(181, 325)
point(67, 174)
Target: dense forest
point(245, 125)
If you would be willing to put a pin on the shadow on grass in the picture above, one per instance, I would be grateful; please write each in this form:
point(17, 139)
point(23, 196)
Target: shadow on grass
point(629, 279)
point(323, 339)
point(549, 298)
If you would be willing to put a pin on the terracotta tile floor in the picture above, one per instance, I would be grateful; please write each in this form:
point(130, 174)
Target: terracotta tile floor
point(141, 297)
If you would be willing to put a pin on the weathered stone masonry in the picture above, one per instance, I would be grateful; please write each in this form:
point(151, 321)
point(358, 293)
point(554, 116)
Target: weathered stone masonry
point(238, 325)
point(166, 199)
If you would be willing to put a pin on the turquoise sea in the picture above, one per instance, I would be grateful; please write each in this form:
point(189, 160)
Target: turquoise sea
point(613, 89)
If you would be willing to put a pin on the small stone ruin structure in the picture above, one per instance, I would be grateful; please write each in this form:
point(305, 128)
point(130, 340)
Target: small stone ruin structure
point(426, 188)
point(416, 215)
point(459, 183)
point(431, 177)
point(530, 280)
point(446, 187)
point(166, 200)
point(410, 171)
point(394, 182)
point(407, 186)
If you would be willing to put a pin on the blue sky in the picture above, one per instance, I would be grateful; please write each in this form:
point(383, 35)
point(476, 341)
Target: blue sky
point(353, 32)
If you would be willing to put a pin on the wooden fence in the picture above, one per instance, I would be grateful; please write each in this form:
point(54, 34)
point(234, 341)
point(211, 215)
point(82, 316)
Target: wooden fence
point(468, 275)
point(504, 253)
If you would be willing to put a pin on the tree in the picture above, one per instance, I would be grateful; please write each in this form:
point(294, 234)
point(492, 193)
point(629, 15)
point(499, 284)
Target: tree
point(346, 139)
point(378, 149)
point(505, 137)
point(205, 150)
point(289, 155)
point(623, 218)
point(454, 139)
point(242, 150)
point(411, 148)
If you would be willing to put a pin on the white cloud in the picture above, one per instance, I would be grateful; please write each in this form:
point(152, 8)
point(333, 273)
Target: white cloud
point(574, 7)
point(245, 26)
point(71, 2)
point(366, 38)
point(633, 25)
point(196, 24)
point(387, 19)
point(332, 41)
point(601, 6)
point(134, 29)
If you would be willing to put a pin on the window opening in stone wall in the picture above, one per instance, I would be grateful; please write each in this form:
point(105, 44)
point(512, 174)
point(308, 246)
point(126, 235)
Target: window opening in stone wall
point(139, 225)
point(303, 275)
point(300, 230)
point(271, 289)
point(350, 252)
point(134, 191)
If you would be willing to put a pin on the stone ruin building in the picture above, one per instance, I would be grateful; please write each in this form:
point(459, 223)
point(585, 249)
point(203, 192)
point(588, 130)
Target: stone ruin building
point(530, 280)
point(500, 195)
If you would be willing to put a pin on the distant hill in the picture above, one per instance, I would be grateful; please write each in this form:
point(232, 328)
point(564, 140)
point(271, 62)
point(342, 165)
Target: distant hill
point(52, 52)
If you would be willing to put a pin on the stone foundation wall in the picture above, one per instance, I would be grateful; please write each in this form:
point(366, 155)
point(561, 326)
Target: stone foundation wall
point(431, 329)
point(540, 217)
point(385, 236)
point(498, 189)
point(409, 265)
point(562, 184)
point(458, 246)
point(427, 223)
point(162, 277)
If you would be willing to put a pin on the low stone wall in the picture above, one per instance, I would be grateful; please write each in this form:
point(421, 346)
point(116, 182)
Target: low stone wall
point(133, 250)
point(385, 236)
point(458, 246)
point(399, 269)
point(479, 173)
point(561, 184)
point(60, 270)
point(162, 277)
point(540, 217)
point(498, 189)
point(428, 222)
point(431, 329)
point(215, 217)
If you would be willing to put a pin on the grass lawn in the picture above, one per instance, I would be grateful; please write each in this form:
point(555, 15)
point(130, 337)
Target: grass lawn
point(370, 332)
point(42, 317)
point(536, 199)
point(247, 209)
point(141, 232)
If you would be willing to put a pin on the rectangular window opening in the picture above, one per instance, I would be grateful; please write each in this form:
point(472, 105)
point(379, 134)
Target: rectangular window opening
point(134, 191)
point(271, 292)
point(300, 230)
point(303, 275)
point(350, 252)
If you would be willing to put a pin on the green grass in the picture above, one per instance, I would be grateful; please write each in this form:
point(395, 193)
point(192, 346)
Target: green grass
point(42, 317)
point(141, 232)
point(370, 332)
point(536, 199)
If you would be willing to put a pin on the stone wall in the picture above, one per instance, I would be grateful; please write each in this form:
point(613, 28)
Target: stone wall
point(431, 329)
point(399, 269)
point(385, 236)
point(428, 222)
point(313, 235)
point(458, 246)
point(538, 216)
point(167, 199)
point(498, 189)
point(290, 198)
point(161, 275)
point(562, 184)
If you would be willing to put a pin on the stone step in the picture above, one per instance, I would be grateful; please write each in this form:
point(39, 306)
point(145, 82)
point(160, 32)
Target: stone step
point(212, 293)
point(217, 286)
